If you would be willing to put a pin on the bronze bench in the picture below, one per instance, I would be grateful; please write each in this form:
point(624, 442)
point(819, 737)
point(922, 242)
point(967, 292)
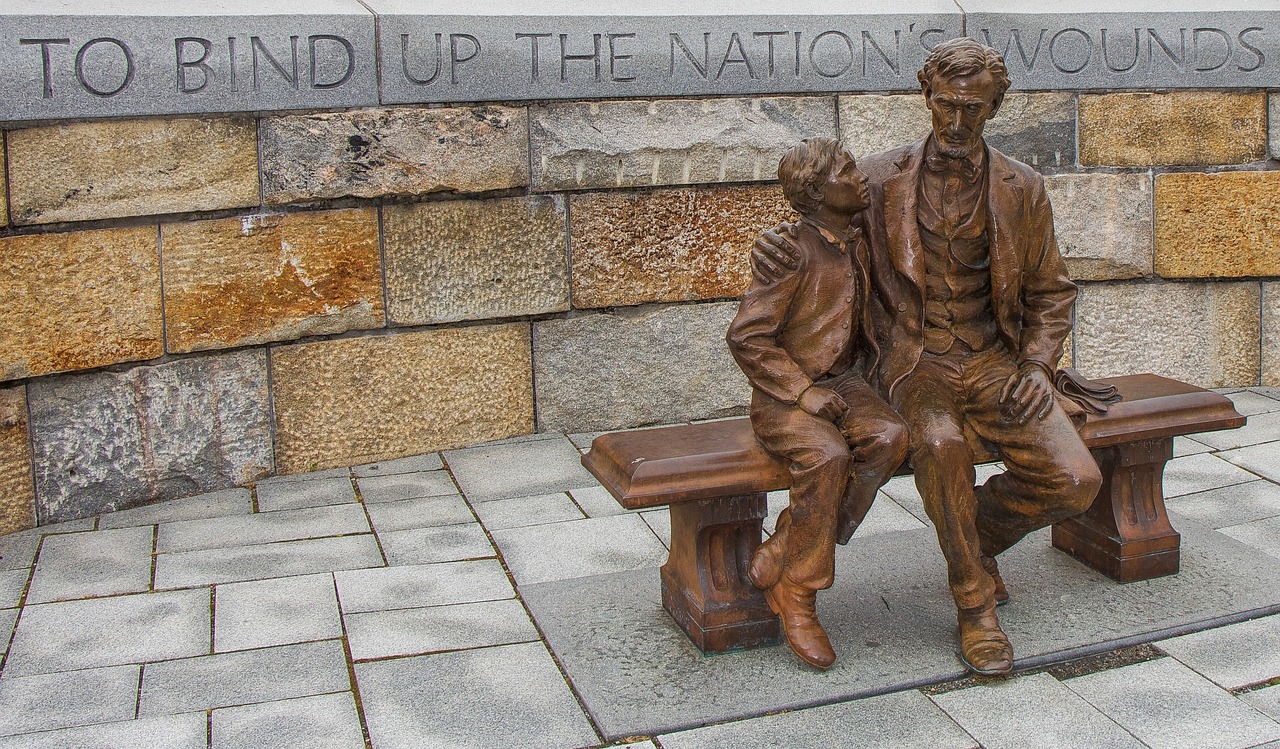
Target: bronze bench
point(714, 477)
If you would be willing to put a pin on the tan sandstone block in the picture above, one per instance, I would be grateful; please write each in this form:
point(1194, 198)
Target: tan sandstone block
point(1271, 334)
point(1202, 333)
point(17, 496)
point(117, 168)
point(403, 151)
point(475, 259)
point(1183, 127)
point(1218, 225)
point(668, 245)
point(256, 279)
point(1103, 224)
point(358, 400)
point(78, 300)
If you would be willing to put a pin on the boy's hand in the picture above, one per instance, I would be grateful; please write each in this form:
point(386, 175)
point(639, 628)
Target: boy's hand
point(823, 403)
point(774, 253)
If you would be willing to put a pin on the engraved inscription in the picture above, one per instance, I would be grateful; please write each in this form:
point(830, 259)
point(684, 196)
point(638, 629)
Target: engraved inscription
point(1135, 51)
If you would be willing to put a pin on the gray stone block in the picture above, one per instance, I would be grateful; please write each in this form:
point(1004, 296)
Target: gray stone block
point(282, 611)
point(187, 731)
point(74, 698)
point(446, 543)
point(7, 619)
point(18, 550)
point(12, 584)
point(1103, 224)
point(101, 563)
point(596, 502)
point(109, 631)
point(263, 561)
point(243, 677)
point(1264, 427)
point(1164, 703)
point(293, 478)
point(327, 721)
point(659, 521)
point(519, 469)
point(519, 512)
point(1183, 446)
point(1198, 473)
point(1230, 505)
point(644, 365)
point(1234, 656)
point(1036, 129)
point(887, 516)
point(1266, 701)
point(1032, 711)
point(419, 513)
point(906, 720)
point(1252, 403)
point(872, 123)
point(298, 494)
point(386, 634)
point(1273, 138)
point(122, 59)
point(1260, 534)
point(406, 486)
point(105, 441)
point(579, 548)
point(261, 528)
point(412, 464)
point(423, 585)
point(213, 505)
point(472, 698)
point(1263, 459)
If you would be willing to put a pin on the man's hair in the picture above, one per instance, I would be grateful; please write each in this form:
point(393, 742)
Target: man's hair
point(965, 56)
point(803, 169)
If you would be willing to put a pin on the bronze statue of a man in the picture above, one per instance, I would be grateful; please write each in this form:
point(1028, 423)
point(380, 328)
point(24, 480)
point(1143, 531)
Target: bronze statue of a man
point(970, 306)
point(800, 339)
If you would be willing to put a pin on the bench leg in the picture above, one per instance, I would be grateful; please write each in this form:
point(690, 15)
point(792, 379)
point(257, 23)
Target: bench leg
point(704, 582)
point(1126, 533)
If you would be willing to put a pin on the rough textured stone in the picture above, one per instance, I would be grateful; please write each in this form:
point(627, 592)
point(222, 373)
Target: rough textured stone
point(641, 366)
point(112, 169)
point(1183, 127)
point(669, 141)
point(475, 259)
point(1202, 333)
point(4, 185)
point(352, 401)
point(17, 499)
point(1271, 334)
point(1036, 129)
point(668, 245)
point(108, 440)
point(238, 281)
point(872, 123)
point(1217, 225)
point(1274, 120)
point(78, 300)
point(1103, 224)
point(404, 151)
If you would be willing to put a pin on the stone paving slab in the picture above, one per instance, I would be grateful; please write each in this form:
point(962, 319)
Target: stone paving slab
point(243, 677)
point(905, 720)
point(472, 699)
point(1233, 656)
point(1230, 505)
point(446, 543)
point(212, 505)
point(418, 586)
point(1183, 446)
point(400, 486)
point(261, 528)
point(64, 700)
point(886, 516)
point(659, 521)
point(891, 619)
point(385, 634)
point(419, 513)
point(1032, 711)
point(1263, 459)
point(519, 512)
point(12, 583)
point(1167, 705)
point(579, 548)
point(188, 731)
point(1260, 428)
point(596, 502)
point(109, 631)
point(327, 721)
point(290, 478)
point(100, 563)
point(299, 494)
point(521, 469)
point(1265, 700)
point(413, 464)
point(280, 611)
point(18, 550)
point(1198, 473)
point(1261, 534)
point(191, 568)
point(1250, 403)
point(8, 617)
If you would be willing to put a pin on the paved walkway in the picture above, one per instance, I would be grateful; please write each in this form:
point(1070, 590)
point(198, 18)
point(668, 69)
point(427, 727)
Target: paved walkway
point(380, 606)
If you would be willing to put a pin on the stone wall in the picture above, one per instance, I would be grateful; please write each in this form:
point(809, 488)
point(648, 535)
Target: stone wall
point(195, 302)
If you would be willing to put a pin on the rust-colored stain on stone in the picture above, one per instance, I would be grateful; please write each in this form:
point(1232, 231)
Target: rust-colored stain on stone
point(358, 400)
point(256, 279)
point(1218, 225)
point(17, 497)
point(1184, 127)
point(78, 300)
point(668, 245)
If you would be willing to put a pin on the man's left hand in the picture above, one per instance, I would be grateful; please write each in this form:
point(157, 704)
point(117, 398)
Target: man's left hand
point(1026, 393)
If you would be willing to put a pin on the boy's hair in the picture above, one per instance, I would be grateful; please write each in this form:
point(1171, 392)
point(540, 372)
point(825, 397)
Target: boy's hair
point(803, 169)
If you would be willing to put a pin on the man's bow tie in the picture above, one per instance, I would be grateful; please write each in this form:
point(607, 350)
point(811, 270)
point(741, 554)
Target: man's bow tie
point(965, 169)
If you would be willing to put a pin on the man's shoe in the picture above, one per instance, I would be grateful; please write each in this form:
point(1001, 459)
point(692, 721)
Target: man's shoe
point(1002, 593)
point(984, 647)
point(795, 606)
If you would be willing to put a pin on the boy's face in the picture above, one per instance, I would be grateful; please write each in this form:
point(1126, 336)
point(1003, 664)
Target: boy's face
point(845, 189)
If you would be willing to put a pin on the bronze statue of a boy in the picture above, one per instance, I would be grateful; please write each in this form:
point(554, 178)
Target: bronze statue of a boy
point(801, 340)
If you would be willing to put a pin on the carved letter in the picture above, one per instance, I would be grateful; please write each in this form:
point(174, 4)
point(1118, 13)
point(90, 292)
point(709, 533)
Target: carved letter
point(813, 59)
point(206, 72)
point(741, 59)
point(346, 47)
point(534, 72)
point(928, 45)
point(128, 66)
point(1106, 59)
point(565, 57)
point(1196, 48)
point(897, 51)
point(44, 61)
point(1015, 39)
point(706, 54)
point(454, 59)
point(404, 62)
point(614, 57)
point(1053, 49)
point(231, 56)
point(1179, 58)
point(1262, 59)
point(769, 35)
point(290, 76)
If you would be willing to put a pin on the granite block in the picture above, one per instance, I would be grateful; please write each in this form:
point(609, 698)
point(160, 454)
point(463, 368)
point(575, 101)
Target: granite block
point(270, 277)
point(350, 401)
point(1103, 224)
point(371, 153)
point(659, 521)
point(422, 585)
point(1216, 225)
point(411, 464)
point(12, 585)
point(239, 678)
point(1198, 473)
point(519, 512)
point(327, 721)
point(109, 631)
point(471, 698)
point(401, 486)
point(17, 495)
point(4, 183)
point(604, 144)
point(1250, 403)
point(8, 617)
point(596, 501)
point(293, 478)
point(579, 548)
point(887, 516)
point(1036, 129)
point(1183, 446)
point(387, 634)
point(1180, 127)
point(1234, 656)
point(77, 300)
point(18, 550)
point(263, 561)
point(212, 505)
point(1273, 120)
point(74, 698)
point(283, 611)
point(84, 565)
point(187, 731)
point(261, 528)
point(299, 494)
point(1259, 429)
point(872, 123)
point(1265, 701)
point(475, 259)
point(419, 513)
point(668, 245)
point(106, 441)
point(447, 543)
point(1263, 459)
point(521, 469)
point(649, 365)
point(1261, 534)
point(1229, 505)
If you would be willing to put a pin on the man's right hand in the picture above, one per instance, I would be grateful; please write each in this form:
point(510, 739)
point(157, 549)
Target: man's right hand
point(823, 403)
point(774, 253)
